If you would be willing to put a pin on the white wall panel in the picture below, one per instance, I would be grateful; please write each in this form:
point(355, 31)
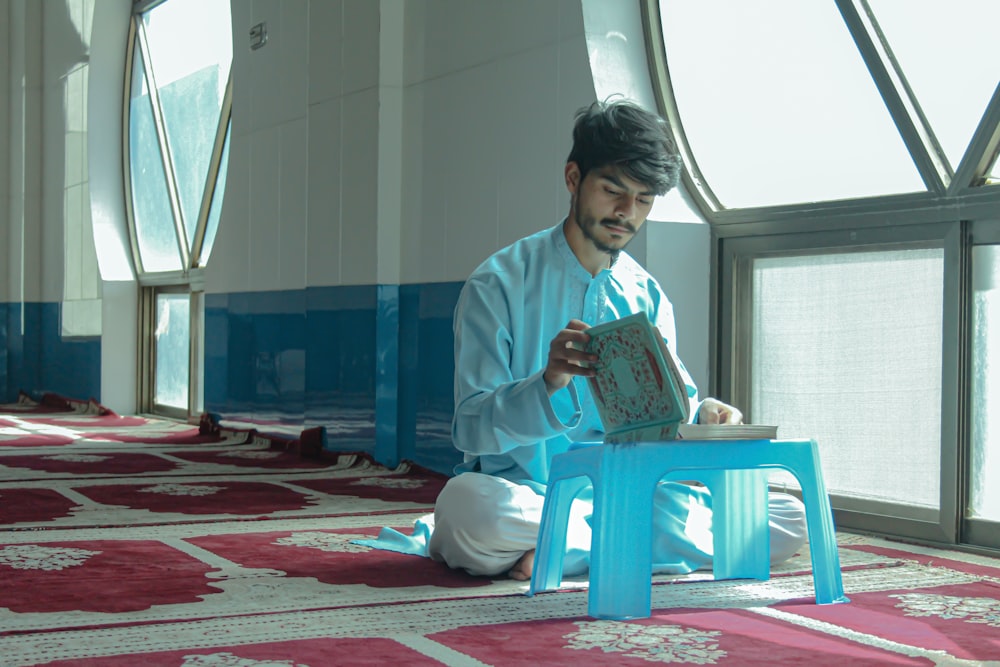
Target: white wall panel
point(359, 188)
point(679, 259)
point(458, 34)
point(325, 39)
point(492, 97)
point(424, 185)
point(360, 45)
point(293, 59)
point(22, 214)
point(528, 108)
point(263, 67)
point(244, 75)
point(291, 251)
point(229, 267)
point(106, 69)
point(53, 186)
point(435, 170)
point(35, 257)
point(472, 141)
point(484, 137)
point(265, 212)
point(324, 194)
point(5, 155)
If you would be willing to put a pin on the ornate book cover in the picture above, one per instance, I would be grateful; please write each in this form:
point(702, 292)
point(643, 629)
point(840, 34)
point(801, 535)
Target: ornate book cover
point(639, 390)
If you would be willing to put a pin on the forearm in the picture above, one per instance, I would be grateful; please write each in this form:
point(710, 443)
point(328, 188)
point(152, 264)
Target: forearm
point(512, 415)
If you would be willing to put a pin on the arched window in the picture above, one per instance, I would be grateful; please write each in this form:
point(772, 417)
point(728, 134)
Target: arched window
point(178, 101)
point(846, 155)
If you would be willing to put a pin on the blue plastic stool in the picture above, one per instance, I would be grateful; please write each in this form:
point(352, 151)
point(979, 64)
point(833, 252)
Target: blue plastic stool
point(624, 478)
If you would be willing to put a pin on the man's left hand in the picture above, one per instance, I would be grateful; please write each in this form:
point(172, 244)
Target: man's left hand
point(714, 411)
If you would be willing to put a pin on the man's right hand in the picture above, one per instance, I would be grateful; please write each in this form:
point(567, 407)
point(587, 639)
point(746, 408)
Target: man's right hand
point(567, 358)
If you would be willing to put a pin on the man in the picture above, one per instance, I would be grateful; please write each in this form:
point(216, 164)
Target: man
point(521, 394)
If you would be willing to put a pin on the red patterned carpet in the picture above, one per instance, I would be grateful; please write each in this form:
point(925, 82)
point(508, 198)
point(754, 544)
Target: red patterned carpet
point(129, 541)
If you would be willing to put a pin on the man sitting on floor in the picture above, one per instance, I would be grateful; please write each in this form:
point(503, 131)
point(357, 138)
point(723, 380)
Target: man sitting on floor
point(521, 395)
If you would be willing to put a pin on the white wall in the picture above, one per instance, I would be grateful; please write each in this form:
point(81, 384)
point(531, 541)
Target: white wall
point(474, 100)
point(22, 253)
point(483, 100)
point(491, 92)
point(5, 156)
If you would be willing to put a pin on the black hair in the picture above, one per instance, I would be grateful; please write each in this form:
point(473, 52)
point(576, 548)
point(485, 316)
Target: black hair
point(623, 134)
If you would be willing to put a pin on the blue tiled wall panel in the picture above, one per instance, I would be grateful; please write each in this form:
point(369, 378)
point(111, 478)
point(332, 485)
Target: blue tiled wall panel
point(427, 358)
point(371, 364)
point(255, 356)
point(374, 362)
point(340, 364)
point(37, 359)
point(68, 366)
point(6, 394)
point(387, 375)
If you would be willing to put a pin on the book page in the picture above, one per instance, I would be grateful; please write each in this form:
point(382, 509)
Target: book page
point(727, 432)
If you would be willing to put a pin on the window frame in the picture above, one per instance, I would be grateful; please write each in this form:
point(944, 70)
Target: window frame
point(190, 278)
point(731, 359)
point(977, 531)
point(957, 210)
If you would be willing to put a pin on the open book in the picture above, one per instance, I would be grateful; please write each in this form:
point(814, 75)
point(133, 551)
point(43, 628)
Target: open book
point(639, 389)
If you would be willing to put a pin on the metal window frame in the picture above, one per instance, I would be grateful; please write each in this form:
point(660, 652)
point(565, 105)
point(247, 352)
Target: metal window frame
point(190, 278)
point(147, 350)
point(958, 209)
point(975, 531)
point(733, 362)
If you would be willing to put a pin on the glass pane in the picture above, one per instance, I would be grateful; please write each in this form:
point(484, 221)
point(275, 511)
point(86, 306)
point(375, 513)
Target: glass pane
point(984, 494)
point(949, 59)
point(993, 175)
point(191, 50)
point(847, 351)
point(173, 344)
point(154, 223)
point(215, 212)
point(778, 105)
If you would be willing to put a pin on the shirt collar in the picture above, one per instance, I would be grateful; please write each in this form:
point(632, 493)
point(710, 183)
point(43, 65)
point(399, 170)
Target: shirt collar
point(577, 270)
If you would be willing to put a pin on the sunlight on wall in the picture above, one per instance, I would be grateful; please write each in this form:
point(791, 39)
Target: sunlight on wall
point(81, 294)
point(984, 500)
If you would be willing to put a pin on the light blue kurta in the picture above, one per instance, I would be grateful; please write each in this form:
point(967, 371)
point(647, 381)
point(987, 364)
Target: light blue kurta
point(510, 309)
point(508, 312)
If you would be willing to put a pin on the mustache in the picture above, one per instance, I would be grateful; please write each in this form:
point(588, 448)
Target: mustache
point(610, 222)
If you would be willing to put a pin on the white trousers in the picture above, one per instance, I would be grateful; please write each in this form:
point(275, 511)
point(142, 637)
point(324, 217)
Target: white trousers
point(484, 524)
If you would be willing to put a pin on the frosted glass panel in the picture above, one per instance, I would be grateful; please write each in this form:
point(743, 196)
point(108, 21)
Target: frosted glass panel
point(190, 43)
point(847, 350)
point(955, 78)
point(778, 105)
point(215, 212)
point(154, 222)
point(173, 341)
point(984, 494)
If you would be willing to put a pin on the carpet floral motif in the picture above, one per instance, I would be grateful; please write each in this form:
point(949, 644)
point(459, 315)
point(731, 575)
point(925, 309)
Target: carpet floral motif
point(38, 557)
point(257, 454)
point(332, 542)
point(77, 458)
point(182, 490)
point(971, 610)
point(653, 643)
point(227, 659)
point(389, 483)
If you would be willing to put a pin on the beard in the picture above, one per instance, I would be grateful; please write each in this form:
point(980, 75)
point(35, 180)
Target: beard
point(589, 225)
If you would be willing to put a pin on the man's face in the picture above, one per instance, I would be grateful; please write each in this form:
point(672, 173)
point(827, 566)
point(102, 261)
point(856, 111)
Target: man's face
point(610, 207)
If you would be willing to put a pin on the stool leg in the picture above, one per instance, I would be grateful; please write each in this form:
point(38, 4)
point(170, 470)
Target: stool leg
point(741, 536)
point(819, 520)
point(621, 554)
point(551, 546)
